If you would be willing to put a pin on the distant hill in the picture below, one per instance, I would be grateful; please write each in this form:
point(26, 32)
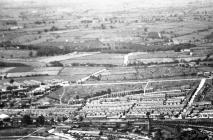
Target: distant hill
point(111, 5)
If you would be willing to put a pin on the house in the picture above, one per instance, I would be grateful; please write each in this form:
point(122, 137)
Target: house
point(202, 104)
point(183, 64)
point(200, 73)
point(192, 64)
point(207, 74)
point(185, 50)
point(16, 27)
point(206, 114)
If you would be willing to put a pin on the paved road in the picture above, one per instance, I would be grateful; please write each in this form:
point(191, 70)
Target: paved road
point(202, 82)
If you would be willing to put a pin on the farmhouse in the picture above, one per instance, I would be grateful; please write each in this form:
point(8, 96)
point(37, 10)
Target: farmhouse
point(16, 27)
point(175, 41)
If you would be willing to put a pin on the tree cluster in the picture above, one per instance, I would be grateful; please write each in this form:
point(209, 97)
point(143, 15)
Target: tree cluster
point(51, 51)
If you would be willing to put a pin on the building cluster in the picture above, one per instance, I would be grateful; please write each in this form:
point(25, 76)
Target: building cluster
point(116, 111)
point(135, 104)
point(26, 94)
point(203, 104)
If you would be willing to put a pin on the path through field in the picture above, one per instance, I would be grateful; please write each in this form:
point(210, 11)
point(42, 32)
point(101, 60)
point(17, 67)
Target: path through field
point(202, 82)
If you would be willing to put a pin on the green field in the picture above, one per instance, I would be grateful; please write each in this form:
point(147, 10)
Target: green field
point(103, 58)
point(16, 53)
point(141, 73)
point(20, 69)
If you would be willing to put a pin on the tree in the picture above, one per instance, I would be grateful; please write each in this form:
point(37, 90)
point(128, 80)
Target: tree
point(198, 61)
point(103, 26)
point(40, 120)
point(26, 119)
point(12, 81)
point(145, 29)
point(30, 53)
point(178, 131)
point(149, 125)
point(45, 30)
point(158, 135)
point(52, 121)
point(64, 118)
point(11, 87)
point(56, 64)
point(207, 56)
point(101, 133)
point(77, 97)
point(81, 118)
point(53, 28)
point(109, 91)
point(58, 119)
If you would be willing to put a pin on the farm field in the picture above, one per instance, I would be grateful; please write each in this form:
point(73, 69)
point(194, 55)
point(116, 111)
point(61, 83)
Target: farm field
point(16, 53)
point(205, 68)
point(29, 62)
point(41, 78)
point(6, 69)
point(111, 73)
point(158, 54)
point(80, 70)
point(38, 69)
point(169, 56)
point(66, 73)
point(64, 57)
point(139, 73)
point(169, 60)
point(103, 58)
point(148, 55)
point(30, 71)
point(172, 85)
point(143, 80)
point(203, 51)
point(20, 69)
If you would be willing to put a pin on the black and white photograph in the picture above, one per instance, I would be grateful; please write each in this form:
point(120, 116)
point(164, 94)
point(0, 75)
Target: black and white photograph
point(106, 69)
